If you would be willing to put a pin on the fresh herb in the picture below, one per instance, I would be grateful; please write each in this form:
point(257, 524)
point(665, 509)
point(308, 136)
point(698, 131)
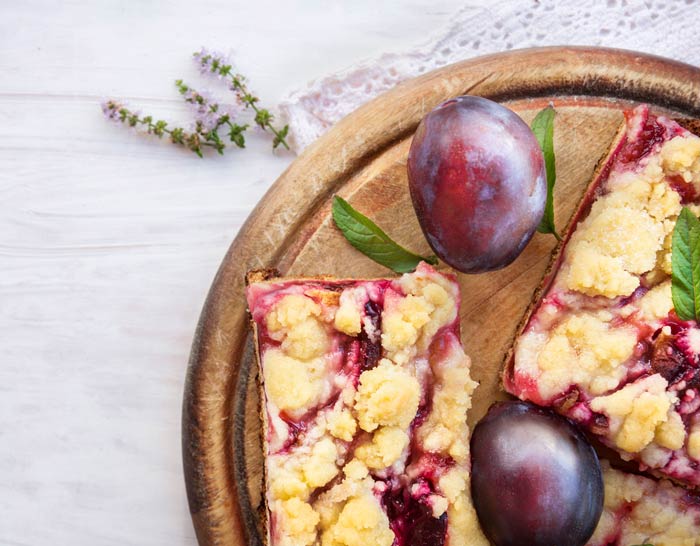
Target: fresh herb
point(369, 239)
point(192, 140)
point(214, 123)
point(218, 65)
point(543, 127)
point(685, 262)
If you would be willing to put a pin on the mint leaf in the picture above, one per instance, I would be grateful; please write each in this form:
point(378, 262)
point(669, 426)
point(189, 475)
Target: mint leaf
point(369, 239)
point(543, 128)
point(685, 261)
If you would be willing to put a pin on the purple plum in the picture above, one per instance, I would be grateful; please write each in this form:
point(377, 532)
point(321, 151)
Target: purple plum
point(535, 478)
point(478, 185)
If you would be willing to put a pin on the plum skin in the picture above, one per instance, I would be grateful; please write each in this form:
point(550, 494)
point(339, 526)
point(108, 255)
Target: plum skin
point(477, 181)
point(535, 478)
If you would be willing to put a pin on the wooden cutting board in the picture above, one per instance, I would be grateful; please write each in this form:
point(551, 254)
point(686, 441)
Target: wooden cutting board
point(363, 159)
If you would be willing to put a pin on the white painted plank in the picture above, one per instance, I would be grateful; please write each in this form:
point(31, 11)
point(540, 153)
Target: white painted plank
point(108, 243)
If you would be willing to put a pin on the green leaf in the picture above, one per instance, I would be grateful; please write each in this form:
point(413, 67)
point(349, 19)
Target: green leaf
point(369, 239)
point(236, 134)
point(263, 117)
point(685, 262)
point(279, 137)
point(543, 128)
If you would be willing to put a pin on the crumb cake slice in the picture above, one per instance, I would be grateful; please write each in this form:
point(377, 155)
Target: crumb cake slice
point(641, 510)
point(365, 390)
point(603, 345)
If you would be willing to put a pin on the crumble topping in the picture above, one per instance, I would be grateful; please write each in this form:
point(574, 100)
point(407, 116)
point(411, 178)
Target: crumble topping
point(388, 395)
point(292, 384)
point(635, 412)
point(295, 322)
point(366, 393)
point(348, 317)
point(626, 231)
point(598, 349)
point(639, 510)
point(604, 346)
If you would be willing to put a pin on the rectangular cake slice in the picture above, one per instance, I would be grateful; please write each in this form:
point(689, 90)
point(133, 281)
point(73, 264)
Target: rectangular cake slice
point(603, 344)
point(365, 390)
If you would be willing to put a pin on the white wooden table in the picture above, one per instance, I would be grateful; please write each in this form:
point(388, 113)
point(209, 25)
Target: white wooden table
point(108, 242)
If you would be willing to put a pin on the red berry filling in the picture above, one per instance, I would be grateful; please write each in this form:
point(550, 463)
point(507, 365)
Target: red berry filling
point(412, 521)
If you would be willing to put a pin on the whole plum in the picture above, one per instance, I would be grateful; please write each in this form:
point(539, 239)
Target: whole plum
point(535, 478)
point(477, 181)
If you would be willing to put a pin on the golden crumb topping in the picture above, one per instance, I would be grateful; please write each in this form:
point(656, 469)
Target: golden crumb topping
point(361, 522)
point(681, 155)
point(342, 425)
point(584, 350)
point(642, 511)
point(348, 317)
point(671, 433)
point(385, 449)
point(628, 230)
point(297, 522)
point(320, 468)
point(636, 411)
point(388, 395)
point(290, 383)
point(445, 430)
point(460, 512)
point(410, 322)
point(657, 303)
point(295, 320)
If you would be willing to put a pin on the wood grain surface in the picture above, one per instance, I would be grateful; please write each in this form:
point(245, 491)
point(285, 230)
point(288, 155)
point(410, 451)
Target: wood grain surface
point(363, 159)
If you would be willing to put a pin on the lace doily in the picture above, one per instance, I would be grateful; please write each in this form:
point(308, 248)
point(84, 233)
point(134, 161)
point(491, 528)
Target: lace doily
point(662, 27)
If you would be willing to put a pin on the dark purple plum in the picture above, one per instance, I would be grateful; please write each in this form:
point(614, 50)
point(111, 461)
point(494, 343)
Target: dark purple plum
point(477, 180)
point(535, 478)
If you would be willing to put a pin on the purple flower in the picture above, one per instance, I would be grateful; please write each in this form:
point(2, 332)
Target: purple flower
point(213, 62)
point(111, 108)
point(209, 113)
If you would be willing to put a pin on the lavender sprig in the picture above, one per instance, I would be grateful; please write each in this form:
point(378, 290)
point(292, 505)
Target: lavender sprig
point(218, 65)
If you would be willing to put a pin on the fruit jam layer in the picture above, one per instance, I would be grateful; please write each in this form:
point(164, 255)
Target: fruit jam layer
point(604, 345)
point(366, 389)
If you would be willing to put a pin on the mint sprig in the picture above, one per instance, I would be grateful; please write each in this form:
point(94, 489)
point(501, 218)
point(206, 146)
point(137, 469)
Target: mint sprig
point(543, 128)
point(685, 262)
point(214, 122)
point(372, 241)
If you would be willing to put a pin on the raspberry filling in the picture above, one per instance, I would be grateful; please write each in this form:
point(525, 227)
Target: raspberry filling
point(412, 521)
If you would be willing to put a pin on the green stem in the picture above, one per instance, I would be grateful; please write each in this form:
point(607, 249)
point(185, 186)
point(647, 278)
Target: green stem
point(246, 98)
point(159, 130)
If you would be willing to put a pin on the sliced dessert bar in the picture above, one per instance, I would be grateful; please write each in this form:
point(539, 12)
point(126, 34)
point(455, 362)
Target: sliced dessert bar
point(603, 344)
point(365, 390)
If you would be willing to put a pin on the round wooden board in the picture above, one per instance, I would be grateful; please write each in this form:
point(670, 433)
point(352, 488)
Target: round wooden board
point(363, 159)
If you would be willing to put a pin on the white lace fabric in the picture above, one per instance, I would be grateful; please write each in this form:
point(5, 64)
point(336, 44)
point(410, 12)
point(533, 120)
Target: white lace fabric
point(668, 28)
